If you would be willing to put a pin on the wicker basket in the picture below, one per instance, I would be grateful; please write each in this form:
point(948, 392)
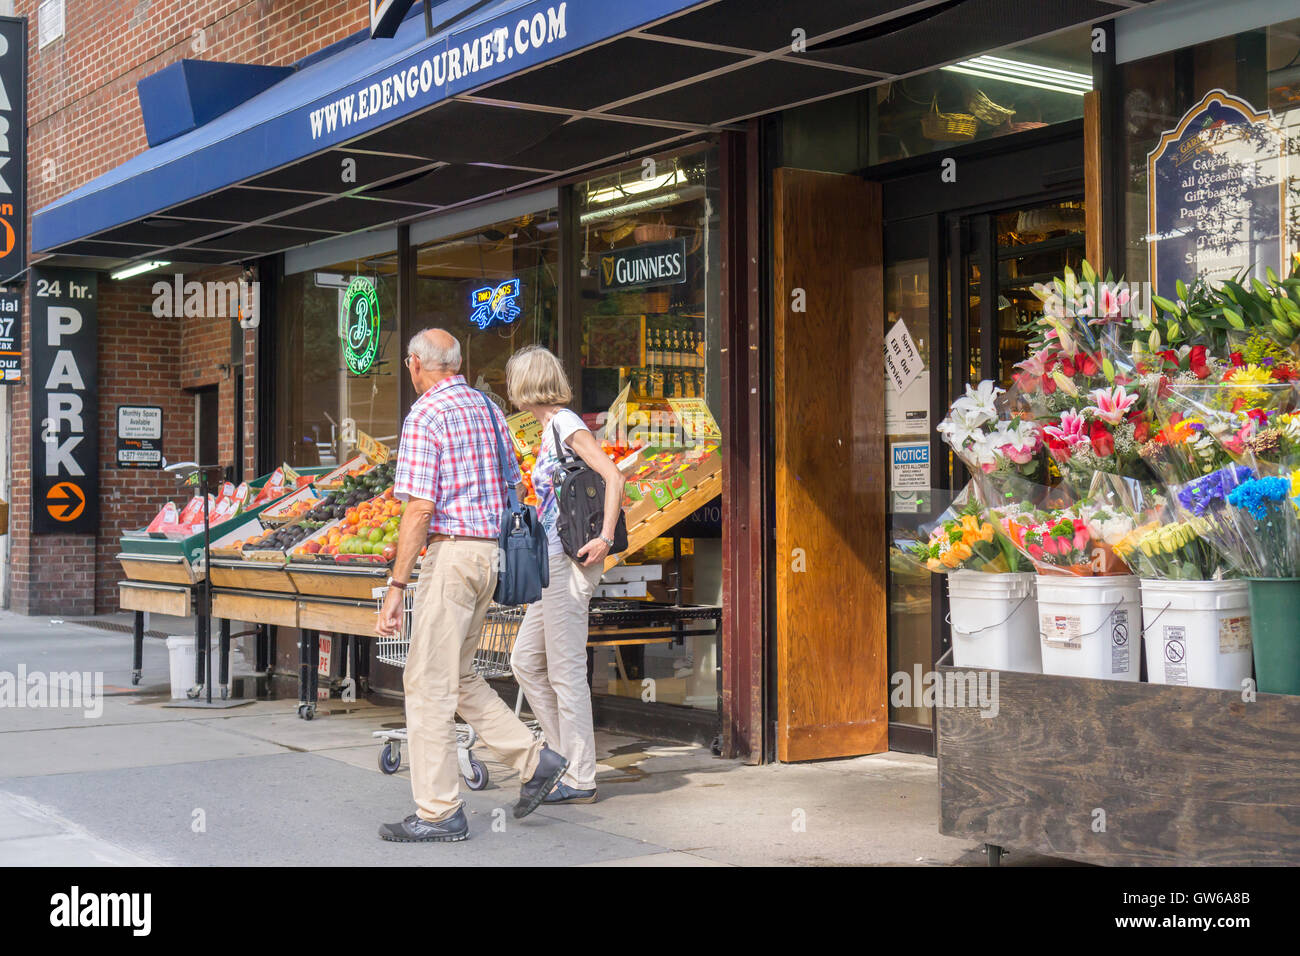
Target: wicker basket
point(1008, 128)
point(947, 127)
point(654, 231)
point(986, 111)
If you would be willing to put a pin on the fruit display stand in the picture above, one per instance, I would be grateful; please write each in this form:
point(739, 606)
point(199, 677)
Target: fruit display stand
point(1122, 773)
point(664, 503)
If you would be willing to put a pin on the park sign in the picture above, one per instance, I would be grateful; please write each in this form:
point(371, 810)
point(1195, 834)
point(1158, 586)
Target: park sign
point(65, 401)
point(1216, 195)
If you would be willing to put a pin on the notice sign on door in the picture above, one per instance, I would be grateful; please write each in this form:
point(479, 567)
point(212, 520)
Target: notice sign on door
point(911, 466)
point(139, 436)
point(11, 338)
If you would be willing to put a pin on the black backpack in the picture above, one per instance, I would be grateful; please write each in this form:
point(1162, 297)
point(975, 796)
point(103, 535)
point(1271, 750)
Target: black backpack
point(580, 495)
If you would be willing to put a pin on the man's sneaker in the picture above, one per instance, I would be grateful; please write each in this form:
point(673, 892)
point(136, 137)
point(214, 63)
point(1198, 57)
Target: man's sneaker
point(563, 793)
point(415, 829)
point(550, 768)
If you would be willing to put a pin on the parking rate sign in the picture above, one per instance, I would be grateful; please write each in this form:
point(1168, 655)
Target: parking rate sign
point(65, 402)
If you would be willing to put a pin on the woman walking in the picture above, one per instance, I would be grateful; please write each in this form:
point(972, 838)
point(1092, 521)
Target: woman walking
point(550, 653)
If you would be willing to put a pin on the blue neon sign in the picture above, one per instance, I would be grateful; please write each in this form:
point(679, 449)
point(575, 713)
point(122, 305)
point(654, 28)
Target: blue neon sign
point(495, 304)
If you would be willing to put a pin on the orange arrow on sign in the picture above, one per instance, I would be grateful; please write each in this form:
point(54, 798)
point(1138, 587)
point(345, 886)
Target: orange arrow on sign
point(65, 501)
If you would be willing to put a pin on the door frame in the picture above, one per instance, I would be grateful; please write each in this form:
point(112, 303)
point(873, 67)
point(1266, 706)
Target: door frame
point(1045, 165)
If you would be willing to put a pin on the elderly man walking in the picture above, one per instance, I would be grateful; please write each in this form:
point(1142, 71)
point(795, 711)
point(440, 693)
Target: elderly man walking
point(449, 475)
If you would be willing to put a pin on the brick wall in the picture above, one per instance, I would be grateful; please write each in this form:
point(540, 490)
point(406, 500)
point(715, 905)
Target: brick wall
point(84, 120)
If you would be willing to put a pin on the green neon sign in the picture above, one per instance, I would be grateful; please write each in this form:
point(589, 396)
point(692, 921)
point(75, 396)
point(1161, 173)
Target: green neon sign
point(359, 325)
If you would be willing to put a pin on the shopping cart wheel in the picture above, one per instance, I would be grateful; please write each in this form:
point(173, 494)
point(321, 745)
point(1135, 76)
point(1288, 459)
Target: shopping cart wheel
point(390, 758)
point(306, 711)
point(480, 778)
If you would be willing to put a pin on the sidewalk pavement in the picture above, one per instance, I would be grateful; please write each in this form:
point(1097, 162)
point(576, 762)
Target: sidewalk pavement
point(141, 784)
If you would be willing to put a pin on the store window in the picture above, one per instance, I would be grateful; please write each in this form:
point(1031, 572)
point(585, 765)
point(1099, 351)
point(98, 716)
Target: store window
point(647, 313)
point(340, 361)
point(1261, 67)
point(495, 287)
point(985, 97)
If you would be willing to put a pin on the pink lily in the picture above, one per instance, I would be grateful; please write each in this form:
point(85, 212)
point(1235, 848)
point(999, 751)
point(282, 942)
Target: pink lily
point(1112, 404)
point(1070, 431)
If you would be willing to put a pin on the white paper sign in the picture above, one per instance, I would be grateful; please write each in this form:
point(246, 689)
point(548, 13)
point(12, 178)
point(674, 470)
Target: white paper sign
point(908, 412)
point(902, 360)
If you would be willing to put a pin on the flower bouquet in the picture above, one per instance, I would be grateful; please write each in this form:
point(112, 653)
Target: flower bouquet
point(963, 539)
point(1008, 451)
point(1075, 538)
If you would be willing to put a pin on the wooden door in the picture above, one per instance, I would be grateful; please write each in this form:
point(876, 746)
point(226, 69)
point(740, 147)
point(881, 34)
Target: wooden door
point(828, 419)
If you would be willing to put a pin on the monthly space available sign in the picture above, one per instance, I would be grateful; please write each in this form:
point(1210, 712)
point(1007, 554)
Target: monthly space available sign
point(139, 436)
point(65, 402)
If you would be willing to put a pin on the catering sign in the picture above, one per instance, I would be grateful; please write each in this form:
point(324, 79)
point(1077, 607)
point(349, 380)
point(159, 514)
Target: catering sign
point(639, 267)
point(65, 401)
point(1216, 194)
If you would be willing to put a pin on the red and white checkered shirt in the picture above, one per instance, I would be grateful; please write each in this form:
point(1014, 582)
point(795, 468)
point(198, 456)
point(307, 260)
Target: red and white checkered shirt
point(448, 455)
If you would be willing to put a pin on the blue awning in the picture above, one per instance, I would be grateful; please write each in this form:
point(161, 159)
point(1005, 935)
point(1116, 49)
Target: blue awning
point(293, 119)
point(514, 93)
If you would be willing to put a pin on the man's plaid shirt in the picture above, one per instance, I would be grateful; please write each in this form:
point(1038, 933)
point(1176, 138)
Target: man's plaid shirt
point(448, 455)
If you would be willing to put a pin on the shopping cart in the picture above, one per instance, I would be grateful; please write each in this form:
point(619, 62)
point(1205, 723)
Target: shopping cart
point(491, 660)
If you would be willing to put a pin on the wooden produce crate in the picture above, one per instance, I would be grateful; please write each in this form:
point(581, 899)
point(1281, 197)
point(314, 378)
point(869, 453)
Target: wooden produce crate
point(256, 607)
point(333, 480)
point(338, 615)
point(339, 581)
point(155, 557)
point(1183, 775)
point(251, 576)
point(276, 513)
point(174, 600)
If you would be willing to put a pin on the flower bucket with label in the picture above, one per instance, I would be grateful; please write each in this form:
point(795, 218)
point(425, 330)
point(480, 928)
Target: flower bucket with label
point(993, 621)
point(1275, 612)
point(1197, 633)
point(1089, 626)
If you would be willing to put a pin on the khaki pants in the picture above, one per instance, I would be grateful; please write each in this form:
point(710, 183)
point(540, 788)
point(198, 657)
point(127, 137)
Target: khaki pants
point(452, 596)
point(550, 663)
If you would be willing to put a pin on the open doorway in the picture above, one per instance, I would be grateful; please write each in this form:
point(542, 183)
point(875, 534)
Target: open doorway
point(960, 264)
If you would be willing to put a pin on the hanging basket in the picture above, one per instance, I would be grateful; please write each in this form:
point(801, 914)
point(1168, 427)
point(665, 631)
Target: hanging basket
point(986, 111)
point(654, 231)
point(947, 127)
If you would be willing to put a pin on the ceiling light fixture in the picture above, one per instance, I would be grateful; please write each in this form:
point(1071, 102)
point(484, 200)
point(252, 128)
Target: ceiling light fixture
point(1024, 74)
point(139, 268)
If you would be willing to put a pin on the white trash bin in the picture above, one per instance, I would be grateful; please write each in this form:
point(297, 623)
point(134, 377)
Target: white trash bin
point(994, 621)
point(180, 654)
point(1089, 626)
point(1197, 633)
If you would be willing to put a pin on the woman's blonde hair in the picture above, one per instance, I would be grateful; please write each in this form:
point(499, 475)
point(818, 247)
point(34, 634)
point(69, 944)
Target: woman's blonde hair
point(534, 376)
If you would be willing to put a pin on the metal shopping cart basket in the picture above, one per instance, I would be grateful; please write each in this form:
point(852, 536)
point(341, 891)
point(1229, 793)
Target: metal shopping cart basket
point(491, 660)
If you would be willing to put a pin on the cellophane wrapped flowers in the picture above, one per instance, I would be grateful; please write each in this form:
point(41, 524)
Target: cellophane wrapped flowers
point(964, 539)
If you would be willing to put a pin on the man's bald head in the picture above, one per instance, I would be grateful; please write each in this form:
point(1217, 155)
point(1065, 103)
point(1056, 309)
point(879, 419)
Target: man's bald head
point(437, 349)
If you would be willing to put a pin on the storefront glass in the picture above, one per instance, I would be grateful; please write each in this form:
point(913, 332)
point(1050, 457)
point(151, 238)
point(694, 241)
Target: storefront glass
point(1259, 66)
point(647, 310)
point(1027, 87)
point(332, 370)
point(495, 288)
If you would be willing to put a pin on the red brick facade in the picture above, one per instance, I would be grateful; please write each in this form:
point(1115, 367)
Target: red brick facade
point(83, 120)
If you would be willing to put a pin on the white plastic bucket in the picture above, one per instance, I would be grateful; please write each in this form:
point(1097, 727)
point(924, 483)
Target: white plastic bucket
point(180, 654)
point(1089, 626)
point(1197, 633)
point(993, 621)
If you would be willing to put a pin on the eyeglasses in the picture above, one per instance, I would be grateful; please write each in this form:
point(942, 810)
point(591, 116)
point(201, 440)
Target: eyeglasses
point(407, 361)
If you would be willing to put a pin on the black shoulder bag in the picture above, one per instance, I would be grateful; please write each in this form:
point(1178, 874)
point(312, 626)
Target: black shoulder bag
point(523, 564)
point(580, 494)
